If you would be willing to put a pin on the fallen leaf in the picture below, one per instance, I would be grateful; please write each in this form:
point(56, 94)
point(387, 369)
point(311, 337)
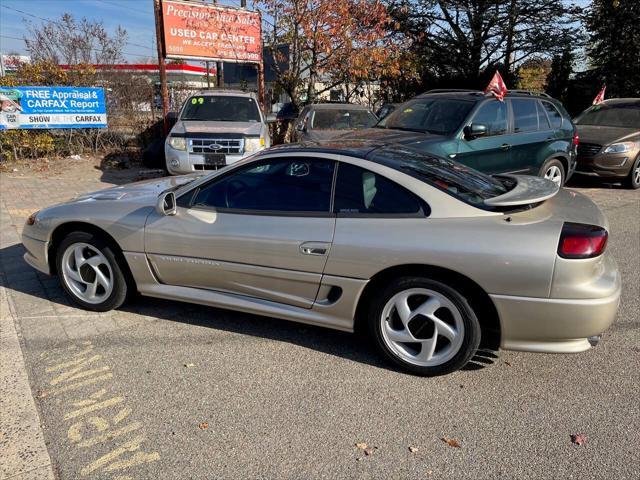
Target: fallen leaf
point(42, 393)
point(362, 446)
point(368, 451)
point(429, 472)
point(508, 364)
point(203, 426)
point(578, 438)
point(451, 442)
point(413, 449)
point(189, 365)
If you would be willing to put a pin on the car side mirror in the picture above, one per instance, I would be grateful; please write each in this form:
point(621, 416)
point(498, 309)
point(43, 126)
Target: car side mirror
point(301, 127)
point(166, 204)
point(475, 130)
point(271, 118)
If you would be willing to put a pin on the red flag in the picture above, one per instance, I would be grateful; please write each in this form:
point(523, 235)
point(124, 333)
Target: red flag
point(600, 97)
point(497, 86)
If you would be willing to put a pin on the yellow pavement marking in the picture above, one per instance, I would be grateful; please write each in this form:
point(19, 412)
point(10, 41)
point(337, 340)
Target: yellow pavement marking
point(93, 408)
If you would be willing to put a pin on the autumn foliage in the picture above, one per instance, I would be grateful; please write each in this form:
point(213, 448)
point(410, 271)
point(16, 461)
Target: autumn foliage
point(330, 41)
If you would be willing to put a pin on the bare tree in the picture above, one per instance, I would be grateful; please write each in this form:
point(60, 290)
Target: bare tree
point(72, 42)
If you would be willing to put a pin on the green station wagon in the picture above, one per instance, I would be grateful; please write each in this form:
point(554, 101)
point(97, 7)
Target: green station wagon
point(524, 134)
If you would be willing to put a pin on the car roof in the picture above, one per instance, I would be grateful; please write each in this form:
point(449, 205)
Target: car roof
point(625, 101)
point(476, 95)
point(337, 106)
point(225, 92)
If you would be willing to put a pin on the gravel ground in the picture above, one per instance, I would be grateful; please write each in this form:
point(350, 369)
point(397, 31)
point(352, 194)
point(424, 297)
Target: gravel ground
point(193, 392)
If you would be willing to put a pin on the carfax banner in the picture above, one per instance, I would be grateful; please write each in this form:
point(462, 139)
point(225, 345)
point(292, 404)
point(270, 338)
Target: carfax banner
point(52, 107)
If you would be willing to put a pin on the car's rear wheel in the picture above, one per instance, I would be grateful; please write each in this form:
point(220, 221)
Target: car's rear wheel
point(633, 179)
point(553, 170)
point(424, 326)
point(90, 273)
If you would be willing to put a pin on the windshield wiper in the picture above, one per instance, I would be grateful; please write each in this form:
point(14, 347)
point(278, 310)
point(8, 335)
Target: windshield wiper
point(406, 129)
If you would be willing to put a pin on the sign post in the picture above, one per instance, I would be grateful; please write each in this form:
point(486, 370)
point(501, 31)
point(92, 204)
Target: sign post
point(201, 31)
point(164, 89)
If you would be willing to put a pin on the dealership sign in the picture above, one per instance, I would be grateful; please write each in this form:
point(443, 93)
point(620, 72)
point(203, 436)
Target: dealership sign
point(52, 107)
point(211, 32)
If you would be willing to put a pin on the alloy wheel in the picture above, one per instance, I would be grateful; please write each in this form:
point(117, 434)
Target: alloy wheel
point(87, 273)
point(554, 174)
point(422, 327)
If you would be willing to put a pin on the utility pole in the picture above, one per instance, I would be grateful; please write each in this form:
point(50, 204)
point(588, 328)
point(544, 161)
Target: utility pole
point(208, 76)
point(164, 90)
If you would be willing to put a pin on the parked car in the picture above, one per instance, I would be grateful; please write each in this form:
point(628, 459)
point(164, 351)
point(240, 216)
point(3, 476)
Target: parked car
point(610, 141)
point(324, 121)
point(386, 109)
point(524, 134)
point(426, 254)
point(288, 113)
point(215, 128)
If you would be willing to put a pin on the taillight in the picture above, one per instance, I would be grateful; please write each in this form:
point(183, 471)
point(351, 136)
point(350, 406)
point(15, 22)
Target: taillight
point(576, 139)
point(579, 240)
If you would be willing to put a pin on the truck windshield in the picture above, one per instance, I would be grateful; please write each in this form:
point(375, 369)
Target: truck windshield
point(441, 116)
point(221, 108)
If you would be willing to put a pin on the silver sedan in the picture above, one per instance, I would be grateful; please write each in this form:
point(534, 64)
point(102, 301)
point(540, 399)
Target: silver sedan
point(432, 259)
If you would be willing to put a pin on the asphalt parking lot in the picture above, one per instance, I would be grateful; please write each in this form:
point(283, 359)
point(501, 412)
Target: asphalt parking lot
point(162, 389)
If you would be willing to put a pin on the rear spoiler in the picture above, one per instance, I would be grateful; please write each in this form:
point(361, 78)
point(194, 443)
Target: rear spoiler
point(527, 190)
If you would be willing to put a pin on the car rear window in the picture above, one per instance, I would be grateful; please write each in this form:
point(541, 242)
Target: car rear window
point(525, 115)
point(462, 182)
point(342, 119)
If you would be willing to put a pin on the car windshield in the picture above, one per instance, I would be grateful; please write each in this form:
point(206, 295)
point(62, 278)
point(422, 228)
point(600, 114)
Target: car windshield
point(441, 116)
point(221, 108)
point(342, 119)
point(625, 115)
point(462, 182)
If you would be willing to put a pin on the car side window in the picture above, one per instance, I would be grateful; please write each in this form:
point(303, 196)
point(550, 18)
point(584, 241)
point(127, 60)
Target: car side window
point(554, 116)
point(274, 185)
point(359, 191)
point(525, 115)
point(543, 122)
point(494, 116)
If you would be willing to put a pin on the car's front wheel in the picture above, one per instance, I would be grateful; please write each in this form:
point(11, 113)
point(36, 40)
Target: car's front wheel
point(633, 179)
point(424, 326)
point(90, 273)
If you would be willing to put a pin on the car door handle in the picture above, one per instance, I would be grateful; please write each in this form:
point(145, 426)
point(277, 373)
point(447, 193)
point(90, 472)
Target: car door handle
point(313, 251)
point(505, 146)
point(314, 248)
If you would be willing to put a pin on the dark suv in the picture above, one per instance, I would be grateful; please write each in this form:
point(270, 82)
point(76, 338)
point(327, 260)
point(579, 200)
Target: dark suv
point(524, 134)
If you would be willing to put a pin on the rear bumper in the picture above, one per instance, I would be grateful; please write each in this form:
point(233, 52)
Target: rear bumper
point(553, 325)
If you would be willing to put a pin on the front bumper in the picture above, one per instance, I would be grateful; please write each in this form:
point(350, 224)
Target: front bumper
point(551, 325)
point(180, 162)
point(607, 165)
point(36, 253)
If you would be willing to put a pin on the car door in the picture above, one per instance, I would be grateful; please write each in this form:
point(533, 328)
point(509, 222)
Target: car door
point(531, 133)
point(263, 230)
point(490, 153)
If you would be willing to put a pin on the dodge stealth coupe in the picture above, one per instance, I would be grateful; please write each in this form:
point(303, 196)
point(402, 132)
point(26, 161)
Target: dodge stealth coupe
point(426, 255)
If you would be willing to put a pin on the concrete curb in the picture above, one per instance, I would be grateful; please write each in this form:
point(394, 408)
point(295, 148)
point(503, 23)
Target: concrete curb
point(23, 453)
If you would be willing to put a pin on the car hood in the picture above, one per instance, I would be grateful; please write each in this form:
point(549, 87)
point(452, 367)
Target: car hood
point(328, 134)
point(603, 135)
point(184, 128)
point(144, 192)
point(389, 135)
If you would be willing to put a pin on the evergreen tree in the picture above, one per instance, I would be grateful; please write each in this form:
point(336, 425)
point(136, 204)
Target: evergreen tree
point(614, 46)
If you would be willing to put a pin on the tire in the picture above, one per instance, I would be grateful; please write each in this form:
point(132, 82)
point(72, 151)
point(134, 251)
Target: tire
point(553, 170)
point(100, 272)
point(633, 179)
point(456, 331)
